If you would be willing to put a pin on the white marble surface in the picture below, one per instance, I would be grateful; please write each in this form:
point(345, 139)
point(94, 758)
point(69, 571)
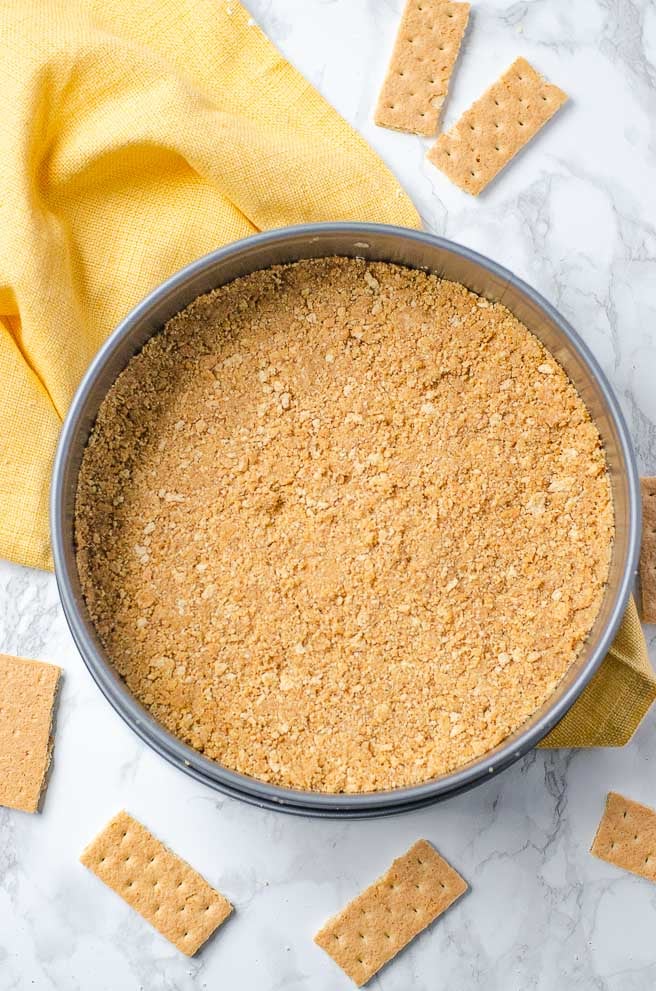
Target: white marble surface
point(575, 216)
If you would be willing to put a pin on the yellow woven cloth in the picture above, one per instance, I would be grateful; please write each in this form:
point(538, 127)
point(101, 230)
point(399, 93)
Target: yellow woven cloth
point(611, 708)
point(136, 136)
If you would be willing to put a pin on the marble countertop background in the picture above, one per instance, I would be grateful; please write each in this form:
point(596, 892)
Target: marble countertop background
point(575, 216)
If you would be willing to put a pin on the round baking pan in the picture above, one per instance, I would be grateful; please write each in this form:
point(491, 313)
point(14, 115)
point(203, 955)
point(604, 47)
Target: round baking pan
point(377, 243)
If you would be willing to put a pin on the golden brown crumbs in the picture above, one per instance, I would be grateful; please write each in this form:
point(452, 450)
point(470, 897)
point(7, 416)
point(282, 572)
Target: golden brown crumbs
point(343, 526)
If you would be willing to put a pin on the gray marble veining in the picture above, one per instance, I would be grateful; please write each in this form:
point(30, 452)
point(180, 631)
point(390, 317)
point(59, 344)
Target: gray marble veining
point(575, 216)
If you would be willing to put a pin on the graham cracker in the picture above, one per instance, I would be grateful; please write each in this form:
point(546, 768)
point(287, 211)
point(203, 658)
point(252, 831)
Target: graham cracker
point(424, 56)
point(496, 127)
point(648, 550)
point(27, 698)
point(161, 886)
point(377, 924)
point(626, 836)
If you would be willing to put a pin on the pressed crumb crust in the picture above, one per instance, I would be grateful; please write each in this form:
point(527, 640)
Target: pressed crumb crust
point(343, 526)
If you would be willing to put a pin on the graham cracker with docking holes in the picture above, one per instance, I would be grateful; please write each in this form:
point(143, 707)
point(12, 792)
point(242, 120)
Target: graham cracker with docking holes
point(372, 929)
point(626, 836)
point(648, 550)
point(27, 697)
point(161, 886)
point(424, 56)
point(496, 127)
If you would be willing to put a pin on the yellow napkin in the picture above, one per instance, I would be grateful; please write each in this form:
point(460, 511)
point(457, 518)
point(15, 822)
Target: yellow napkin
point(136, 136)
point(609, 711)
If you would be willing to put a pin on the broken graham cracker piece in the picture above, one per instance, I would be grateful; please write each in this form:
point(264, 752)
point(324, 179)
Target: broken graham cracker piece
point(27, 697)
point(377, 924)
point(161, 886)
point(496, 127)
point(648, 550)
point(626, 836)
point(424, 56)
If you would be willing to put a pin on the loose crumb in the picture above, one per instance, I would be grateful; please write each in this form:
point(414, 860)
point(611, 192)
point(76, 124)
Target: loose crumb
point(343, 526)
